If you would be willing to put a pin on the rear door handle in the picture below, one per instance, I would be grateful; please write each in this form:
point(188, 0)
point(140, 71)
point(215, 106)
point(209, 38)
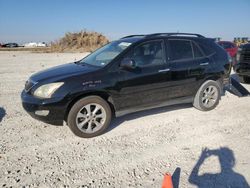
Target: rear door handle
point(204, 64)
point(164, 70)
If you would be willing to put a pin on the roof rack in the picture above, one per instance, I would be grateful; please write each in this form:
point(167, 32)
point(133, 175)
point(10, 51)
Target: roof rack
point(164, 34)
point(133, 36)
point(172, 34)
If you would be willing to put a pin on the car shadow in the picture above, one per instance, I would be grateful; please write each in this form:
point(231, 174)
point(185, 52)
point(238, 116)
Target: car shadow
point(2, 113)
point(226, 178)
point(119, 120)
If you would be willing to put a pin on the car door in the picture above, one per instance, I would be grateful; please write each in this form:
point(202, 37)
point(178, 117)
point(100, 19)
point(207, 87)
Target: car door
point(146, 84)
point(187, 65)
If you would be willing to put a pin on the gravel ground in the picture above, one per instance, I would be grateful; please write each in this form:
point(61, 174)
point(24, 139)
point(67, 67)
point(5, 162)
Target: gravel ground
point(137, 150)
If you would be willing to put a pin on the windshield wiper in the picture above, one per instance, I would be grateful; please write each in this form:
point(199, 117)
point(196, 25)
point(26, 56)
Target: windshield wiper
point(80, 63)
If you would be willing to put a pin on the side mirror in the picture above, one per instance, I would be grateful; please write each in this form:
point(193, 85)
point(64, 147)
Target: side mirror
point(128, 64)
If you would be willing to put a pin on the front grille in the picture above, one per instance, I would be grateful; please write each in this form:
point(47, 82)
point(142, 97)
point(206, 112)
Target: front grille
point(246, 55)
point(28, 85)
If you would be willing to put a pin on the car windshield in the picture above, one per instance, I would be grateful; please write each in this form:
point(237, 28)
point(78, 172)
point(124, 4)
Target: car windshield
point(105, 54)
point(226, 45)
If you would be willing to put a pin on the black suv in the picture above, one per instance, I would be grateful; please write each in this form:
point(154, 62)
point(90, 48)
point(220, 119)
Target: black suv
point(242, 67)
point(131, 74)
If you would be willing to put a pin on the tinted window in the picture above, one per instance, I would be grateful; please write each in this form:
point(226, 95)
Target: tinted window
point(207, 46)
point(150, 53)
point(197, 52)
point(180, 49)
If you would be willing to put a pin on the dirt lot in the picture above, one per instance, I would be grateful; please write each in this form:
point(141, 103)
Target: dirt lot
point(136, 151)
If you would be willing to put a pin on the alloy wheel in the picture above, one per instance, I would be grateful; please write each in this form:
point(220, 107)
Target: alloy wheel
point(209, 97)
point(91, 118)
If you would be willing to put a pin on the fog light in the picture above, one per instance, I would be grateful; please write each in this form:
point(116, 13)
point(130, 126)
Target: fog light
point(42, 112)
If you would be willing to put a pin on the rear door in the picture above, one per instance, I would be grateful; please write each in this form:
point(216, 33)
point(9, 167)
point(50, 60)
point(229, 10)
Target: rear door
point(187, 65)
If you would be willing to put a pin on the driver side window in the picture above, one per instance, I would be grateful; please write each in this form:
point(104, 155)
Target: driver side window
point(148, 54)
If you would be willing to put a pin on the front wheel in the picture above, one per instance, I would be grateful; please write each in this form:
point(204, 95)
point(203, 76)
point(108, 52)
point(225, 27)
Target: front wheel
point(89, 117)
point(208, 96)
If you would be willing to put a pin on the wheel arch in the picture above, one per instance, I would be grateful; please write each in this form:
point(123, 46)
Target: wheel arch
point(216, 78)
point(104, 95)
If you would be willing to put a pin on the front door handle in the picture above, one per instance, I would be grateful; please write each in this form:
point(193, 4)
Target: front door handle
point(164, 70)
point(204, 64)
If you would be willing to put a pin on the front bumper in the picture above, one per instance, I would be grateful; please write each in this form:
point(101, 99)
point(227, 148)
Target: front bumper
point(51, 111)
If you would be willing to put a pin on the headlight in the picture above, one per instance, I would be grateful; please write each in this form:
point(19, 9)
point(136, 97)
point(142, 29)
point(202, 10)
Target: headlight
point(238, 54)
point(47, 90)
point(237, 57)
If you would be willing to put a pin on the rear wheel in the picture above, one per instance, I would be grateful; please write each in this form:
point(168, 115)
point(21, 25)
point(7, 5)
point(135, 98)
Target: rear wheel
point(89, 117)
point(208, 96)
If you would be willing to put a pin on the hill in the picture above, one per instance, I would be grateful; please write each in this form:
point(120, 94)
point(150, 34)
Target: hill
point(82, 41)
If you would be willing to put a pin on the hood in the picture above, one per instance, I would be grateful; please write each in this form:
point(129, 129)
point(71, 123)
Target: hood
point(62, 71)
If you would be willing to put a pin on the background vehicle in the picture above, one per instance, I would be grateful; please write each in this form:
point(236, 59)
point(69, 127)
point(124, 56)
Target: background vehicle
point(242, 67)
point(35, 44)
point(10, 45)
point(230, 47)
point(131, 74)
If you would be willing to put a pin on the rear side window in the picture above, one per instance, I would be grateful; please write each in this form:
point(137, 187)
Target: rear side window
point(197, 51)
point(180, 49)
point(207, 47)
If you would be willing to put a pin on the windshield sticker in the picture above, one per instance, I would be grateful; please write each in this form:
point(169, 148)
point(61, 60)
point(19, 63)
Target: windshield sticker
point(125, 44)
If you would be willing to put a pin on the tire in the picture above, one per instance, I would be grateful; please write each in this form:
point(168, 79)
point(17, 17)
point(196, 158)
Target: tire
point(244, 79)
point(84, 121)
point(204, 99)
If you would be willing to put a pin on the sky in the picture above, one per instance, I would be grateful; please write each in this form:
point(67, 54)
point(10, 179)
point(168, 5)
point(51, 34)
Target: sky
point(48, 20)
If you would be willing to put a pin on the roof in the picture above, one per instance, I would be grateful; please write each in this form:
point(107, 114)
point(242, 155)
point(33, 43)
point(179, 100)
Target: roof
point(223, 41)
